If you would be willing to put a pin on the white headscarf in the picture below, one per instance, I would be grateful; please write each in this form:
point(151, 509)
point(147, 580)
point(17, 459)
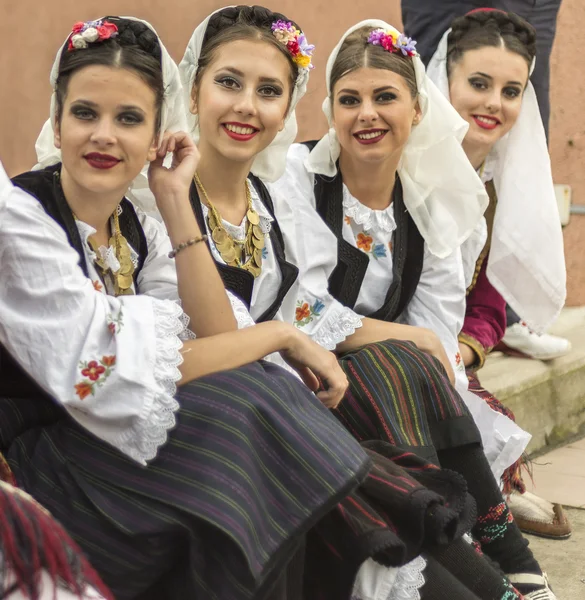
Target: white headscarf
point(442, 192)
point(269, 165)
point(526, 263)
point(172, 113)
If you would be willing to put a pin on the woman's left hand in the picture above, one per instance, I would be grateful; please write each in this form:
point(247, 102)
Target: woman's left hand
point(173, 181)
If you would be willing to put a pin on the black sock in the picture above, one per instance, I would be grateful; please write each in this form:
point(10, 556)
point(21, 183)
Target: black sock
point(442, 585)
point(496, 530)
point(475, 571)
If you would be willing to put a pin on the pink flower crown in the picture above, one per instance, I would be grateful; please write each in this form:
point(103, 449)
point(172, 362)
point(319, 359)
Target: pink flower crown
point(84, 33)
point(295, 41)
point(393, 41)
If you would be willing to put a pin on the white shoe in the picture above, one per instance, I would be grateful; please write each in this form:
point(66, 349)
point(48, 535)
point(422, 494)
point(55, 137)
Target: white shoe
point(544, 593)
point(520, 340)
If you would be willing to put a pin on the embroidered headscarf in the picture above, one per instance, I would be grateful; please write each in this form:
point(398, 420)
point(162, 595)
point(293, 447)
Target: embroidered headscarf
point(526, 262)
point(442, 192)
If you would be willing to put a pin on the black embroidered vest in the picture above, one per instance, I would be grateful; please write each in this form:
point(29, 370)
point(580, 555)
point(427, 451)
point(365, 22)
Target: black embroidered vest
point(347, 278)
point(45, 187)
point(240, 282)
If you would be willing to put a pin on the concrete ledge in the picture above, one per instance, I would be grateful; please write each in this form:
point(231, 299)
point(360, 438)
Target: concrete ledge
point(548, 398)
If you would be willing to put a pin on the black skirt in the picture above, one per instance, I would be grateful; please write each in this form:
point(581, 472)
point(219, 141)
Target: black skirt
point(254, 462)
point(258, 493)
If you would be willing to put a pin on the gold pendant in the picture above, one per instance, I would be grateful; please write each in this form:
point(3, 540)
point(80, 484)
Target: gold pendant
point(258, 243)
point(220, 236)
point(253, 216)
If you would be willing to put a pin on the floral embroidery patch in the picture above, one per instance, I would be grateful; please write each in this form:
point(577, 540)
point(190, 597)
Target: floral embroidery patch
point(116, 323)
point(95, 374)
point(347, 219)
point(97, 286)
point(366, 244)
point(304, 313)
point(264, 253)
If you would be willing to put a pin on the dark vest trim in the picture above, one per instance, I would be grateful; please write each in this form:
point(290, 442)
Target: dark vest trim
point(240, 282)
point(45, 187)
point(347, 278)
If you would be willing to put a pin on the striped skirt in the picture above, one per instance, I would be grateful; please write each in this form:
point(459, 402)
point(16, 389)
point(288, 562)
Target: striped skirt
point(401, 395)
point(254, 462)
point(255, 495)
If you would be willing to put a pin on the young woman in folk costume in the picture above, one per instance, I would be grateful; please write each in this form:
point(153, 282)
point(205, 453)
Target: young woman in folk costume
point(239, 484)
point(232, 87)
point(209, 490)
point(483, 65)
point(393, 152)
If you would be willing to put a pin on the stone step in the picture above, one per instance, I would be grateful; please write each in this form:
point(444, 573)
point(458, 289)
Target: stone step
point(548, 398)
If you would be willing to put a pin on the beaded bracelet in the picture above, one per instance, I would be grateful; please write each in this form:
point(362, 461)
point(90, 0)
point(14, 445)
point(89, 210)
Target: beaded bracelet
point(186, 244)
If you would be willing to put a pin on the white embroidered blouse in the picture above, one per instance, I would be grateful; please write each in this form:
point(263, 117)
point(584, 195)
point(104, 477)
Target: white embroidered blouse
point(308, 303)
point(439, 301)
point(111, 362)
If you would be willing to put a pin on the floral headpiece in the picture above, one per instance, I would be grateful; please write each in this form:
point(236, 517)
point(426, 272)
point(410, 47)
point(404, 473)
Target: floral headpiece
point(393, 41)
point(295, 41)
point(83, 34)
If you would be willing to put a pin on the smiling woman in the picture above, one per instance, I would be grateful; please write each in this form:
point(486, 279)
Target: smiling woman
point(482, 65)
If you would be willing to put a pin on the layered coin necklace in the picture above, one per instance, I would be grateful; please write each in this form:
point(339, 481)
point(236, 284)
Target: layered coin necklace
point(233, 251)
point(123, 277)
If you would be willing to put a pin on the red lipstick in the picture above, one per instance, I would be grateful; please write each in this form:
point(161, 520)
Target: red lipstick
point(101, 161)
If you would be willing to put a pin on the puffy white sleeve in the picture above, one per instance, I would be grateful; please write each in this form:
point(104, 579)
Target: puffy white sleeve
point(111, 362)
point(312, 247)
point(439, 304)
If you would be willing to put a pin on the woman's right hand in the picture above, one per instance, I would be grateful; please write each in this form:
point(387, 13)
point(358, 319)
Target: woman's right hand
point(310, 360)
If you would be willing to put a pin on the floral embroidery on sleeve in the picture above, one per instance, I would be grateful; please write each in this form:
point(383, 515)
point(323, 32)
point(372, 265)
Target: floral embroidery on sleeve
point(97, 286)
point(115, 323)
point(304, 313)
point(366, 244)
point(347, 219)
point(95, 374)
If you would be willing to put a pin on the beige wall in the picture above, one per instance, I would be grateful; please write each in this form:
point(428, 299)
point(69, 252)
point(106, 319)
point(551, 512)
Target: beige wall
point(31, 31)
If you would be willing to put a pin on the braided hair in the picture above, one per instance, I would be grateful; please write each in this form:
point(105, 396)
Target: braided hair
point(491, 28)
point(136, 47)
point(242, 23)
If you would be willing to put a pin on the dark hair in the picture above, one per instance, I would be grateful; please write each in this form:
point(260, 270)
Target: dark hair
point(136, 47)
point(356, 53)
point(491, 28)
point(242, 23)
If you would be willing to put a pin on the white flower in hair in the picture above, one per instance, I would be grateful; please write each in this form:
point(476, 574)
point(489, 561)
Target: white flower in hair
point(77, 41)
point(91, 34)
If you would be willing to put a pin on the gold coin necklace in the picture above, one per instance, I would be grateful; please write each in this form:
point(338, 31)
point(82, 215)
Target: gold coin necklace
point(234, 251)
point(123, 277)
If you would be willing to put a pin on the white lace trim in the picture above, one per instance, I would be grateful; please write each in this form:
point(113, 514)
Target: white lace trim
point(243, 316)
point(336, 327)
point(372, 220)
point(409, 581)
point(107, 254)
point(145, 437)
point(375, 582)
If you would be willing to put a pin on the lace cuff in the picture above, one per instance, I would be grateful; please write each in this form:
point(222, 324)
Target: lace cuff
point(375, 582)
point(144, 438)
point(243, 316)
point(337, 326)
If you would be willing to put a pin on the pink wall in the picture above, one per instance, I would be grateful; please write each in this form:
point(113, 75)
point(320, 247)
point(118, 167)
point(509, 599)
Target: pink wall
point(31, 31)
